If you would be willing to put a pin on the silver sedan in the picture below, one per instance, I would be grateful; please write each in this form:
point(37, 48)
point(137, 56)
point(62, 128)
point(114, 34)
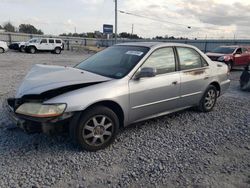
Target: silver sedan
point(118, 86)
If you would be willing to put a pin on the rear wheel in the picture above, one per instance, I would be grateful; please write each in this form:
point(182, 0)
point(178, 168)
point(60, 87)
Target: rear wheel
point(209, 99)
point(57, 51)
point(22, 49)
point(97, 128)
point(32, 50)
point(1, 50)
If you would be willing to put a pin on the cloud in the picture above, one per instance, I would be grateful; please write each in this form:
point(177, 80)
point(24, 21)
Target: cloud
point(207, 17)
point(211, 12)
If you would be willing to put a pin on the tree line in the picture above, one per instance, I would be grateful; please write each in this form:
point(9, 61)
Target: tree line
point(22, 28)
point(101, 35)
point(30, 29)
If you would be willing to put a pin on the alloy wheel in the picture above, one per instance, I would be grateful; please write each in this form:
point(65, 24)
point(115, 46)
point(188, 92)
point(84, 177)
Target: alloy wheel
point(98, 130)
point(210, 99)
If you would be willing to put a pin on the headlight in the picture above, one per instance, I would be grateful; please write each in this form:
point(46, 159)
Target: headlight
point(41, 110)
point(221, 58)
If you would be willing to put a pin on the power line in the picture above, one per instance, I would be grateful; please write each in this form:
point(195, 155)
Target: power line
point(150, 18)
point(174, 23)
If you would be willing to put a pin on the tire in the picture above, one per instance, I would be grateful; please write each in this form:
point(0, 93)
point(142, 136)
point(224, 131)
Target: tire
point(1, 50)
point(96, 128)
point(32, 50)
point(230, 65)
point(208, 100)
point(57, 50)
point(22, 49)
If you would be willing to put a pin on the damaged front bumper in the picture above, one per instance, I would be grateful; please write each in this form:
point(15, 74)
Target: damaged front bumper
point(36, 124)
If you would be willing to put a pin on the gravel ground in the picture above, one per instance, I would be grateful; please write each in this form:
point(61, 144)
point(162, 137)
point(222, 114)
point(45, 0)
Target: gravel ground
point(185, 149)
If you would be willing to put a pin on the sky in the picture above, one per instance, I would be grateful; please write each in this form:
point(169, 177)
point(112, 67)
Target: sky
point(207, 18)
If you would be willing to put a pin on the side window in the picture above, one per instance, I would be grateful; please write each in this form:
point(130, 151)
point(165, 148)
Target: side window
point(51, 41)
point(190, 59)
point(162, 59)
point(58, 41)
point(203, 62)
point(239, 51)
point(43, 41)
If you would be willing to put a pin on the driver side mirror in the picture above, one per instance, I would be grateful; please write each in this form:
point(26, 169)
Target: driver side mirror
point(145, 72)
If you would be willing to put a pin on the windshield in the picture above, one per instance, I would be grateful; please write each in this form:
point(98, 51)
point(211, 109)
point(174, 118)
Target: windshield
point(114, 62)
point(224, 50)
point(33, 40)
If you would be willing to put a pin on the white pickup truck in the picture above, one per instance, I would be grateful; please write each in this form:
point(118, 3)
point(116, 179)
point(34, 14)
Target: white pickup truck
point(53, 45)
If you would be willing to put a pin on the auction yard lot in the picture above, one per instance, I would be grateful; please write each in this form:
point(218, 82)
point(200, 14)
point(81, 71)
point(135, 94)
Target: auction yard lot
point(187, 148)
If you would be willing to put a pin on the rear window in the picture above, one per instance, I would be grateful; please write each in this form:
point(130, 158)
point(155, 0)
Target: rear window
point(58, 41)
point(51, 41)
point(224, 50)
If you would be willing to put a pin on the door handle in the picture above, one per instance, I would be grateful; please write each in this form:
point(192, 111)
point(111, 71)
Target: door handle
point(175, 82)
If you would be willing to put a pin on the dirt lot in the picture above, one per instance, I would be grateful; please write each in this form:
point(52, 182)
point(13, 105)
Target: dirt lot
point(185, 149)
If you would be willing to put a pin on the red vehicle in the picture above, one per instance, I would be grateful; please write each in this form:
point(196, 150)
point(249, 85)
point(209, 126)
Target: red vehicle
point(231, 55)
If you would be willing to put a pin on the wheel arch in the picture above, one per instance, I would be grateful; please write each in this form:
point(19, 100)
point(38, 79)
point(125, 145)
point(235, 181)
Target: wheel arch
point(58, 47)
point(114, 106)
point(3, 49)
point(33, 46)
point(217, 86)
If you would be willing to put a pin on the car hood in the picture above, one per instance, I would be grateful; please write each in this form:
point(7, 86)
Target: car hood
point(42, 78)
point(215, 54)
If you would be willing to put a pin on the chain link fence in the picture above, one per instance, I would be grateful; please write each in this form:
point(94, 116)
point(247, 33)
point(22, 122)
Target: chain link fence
point(72, 43)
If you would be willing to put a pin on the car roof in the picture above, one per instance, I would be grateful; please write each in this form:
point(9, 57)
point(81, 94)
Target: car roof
point(153, 44)
point(236, 46)
point(46, 38)
point(230, 46)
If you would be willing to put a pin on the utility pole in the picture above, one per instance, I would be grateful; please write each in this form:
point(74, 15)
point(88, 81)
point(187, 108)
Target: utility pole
point(115, 21)
point(132, 29)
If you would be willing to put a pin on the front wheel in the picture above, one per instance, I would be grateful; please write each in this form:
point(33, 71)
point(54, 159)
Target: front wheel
point(32, 50)
point(97, 128)
point(208, 100)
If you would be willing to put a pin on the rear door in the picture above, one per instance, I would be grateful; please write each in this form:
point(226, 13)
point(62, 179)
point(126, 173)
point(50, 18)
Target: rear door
point(51, 45)
point(194, 74)
point(154, 95)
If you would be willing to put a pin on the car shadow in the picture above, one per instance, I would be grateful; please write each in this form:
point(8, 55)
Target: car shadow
point(16, 141)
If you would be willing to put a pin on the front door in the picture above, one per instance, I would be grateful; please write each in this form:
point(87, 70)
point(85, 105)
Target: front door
point(155, 95)
point(239, 57)
point(43, 45)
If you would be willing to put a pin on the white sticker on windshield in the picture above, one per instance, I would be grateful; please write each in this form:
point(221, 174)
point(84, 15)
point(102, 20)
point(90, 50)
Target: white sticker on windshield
point(138, 53)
